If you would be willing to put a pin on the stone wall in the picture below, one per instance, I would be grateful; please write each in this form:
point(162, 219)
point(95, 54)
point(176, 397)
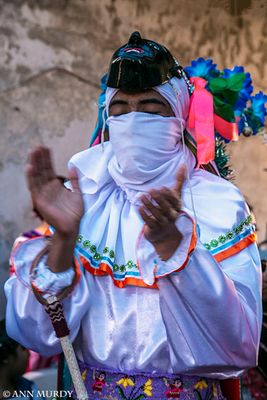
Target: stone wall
point(53, 53)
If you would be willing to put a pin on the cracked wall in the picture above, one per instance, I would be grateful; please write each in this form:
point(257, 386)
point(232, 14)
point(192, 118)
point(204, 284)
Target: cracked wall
point(53, 54)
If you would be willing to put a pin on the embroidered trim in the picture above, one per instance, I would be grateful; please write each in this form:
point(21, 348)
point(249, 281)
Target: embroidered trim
point(234, 233)
point(106, 384)
point(105, 269)
point(242, 244)
point(107, 256)
point(126, 274)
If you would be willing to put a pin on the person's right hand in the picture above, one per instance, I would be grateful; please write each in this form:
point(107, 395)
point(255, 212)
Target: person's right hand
point(59, 207)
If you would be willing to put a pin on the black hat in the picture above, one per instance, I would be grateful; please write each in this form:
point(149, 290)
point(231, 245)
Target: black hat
point(141, 64)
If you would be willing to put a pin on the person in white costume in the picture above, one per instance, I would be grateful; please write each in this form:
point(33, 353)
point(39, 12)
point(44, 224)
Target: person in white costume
point(168, 301)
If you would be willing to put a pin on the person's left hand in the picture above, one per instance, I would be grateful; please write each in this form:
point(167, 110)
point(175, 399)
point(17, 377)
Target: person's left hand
point(160, 210)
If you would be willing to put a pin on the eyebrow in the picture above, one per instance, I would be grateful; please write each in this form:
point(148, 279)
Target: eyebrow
point(151, 100)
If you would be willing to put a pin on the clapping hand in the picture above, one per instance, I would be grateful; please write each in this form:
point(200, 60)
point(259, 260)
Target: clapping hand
point(159, 211)
point(58, 206)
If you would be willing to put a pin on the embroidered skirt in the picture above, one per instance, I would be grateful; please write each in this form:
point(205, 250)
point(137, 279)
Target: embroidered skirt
point(103, 384)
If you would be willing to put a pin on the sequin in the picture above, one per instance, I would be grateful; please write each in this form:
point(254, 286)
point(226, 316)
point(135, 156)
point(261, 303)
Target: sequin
point(130, 264)
point(80, 238)
point(214, 243)
point(229, 235)
point(222, 239)
point(93, 248)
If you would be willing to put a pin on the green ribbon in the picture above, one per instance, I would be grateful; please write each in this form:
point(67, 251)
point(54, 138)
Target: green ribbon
point(225, 93)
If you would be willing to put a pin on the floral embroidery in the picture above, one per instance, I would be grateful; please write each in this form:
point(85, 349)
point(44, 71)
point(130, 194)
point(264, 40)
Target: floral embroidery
point(229, 235)
point(205, 391)
point(108, 385)
point(125, 382)
point(84, 374)
point(214, 390)
point(137, 392)
point(106, 253)
point(148, 388)
point(202, 384)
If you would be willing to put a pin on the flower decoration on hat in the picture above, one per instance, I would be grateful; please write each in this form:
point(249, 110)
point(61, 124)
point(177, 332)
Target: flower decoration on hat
point(222, 106)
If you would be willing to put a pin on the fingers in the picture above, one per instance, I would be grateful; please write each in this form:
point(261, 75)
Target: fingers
point(73, 177)
point(160, 208)
point(39, 169)
point(46, 164)
point(32, 179)
point(167, 199)
point(157, 213)
point(148, 219)
point(180, 179)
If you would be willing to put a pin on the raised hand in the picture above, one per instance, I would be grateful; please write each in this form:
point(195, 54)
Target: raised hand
point(159, 211)
point(58, 206)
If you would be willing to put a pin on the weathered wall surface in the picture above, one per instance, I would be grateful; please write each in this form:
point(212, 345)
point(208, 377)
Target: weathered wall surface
point(53, 53)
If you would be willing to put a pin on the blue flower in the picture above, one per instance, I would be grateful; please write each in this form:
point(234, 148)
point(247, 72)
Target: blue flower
point(202, 68)
point(245, 92)
point(254, 115)
point(258, 106)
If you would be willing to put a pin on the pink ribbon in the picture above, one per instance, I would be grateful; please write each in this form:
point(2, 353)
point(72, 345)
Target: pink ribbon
point(201, 121)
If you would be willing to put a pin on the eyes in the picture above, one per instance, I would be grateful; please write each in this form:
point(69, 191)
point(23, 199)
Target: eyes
point(147, 112)
point(149, 105)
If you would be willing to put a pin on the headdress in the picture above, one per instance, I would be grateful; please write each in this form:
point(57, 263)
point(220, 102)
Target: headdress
point(221, 103)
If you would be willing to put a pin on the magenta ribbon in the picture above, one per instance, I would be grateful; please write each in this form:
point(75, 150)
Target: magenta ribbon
point(201, 121)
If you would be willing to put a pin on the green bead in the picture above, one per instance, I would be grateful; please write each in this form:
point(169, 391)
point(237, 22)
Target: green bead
point(130, 264)
point(116, 267)
point(208, 247)
point(229, 235)
point(214, 243)
point(106, 250)
point(80, 238)
point(222, 239)
point(86, 243)
point(97, 256)
point(248, 220)
point(236, 230)
point(93, 248)
point(122, 268)
point(111, 254)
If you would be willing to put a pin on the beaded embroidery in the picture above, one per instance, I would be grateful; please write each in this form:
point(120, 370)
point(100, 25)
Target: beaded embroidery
point(109, 385)
point(230, 234)
point(107, 255)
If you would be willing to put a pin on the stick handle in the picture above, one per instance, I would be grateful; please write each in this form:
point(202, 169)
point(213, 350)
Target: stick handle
point(73, 368)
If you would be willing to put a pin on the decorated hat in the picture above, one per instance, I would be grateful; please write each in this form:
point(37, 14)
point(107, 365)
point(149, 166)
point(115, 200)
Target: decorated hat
point(141, 64)
point(222, 103)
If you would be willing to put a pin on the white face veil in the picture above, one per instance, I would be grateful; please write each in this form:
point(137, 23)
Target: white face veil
point(112, 198)
point(149, 149)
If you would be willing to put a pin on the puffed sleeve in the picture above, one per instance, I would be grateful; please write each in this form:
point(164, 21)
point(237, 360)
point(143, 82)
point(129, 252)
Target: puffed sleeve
point(27, 321)
point(210, 297)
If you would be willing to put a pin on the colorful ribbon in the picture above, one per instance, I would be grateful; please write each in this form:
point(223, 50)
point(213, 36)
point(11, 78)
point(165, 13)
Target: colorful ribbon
point(201, 121)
